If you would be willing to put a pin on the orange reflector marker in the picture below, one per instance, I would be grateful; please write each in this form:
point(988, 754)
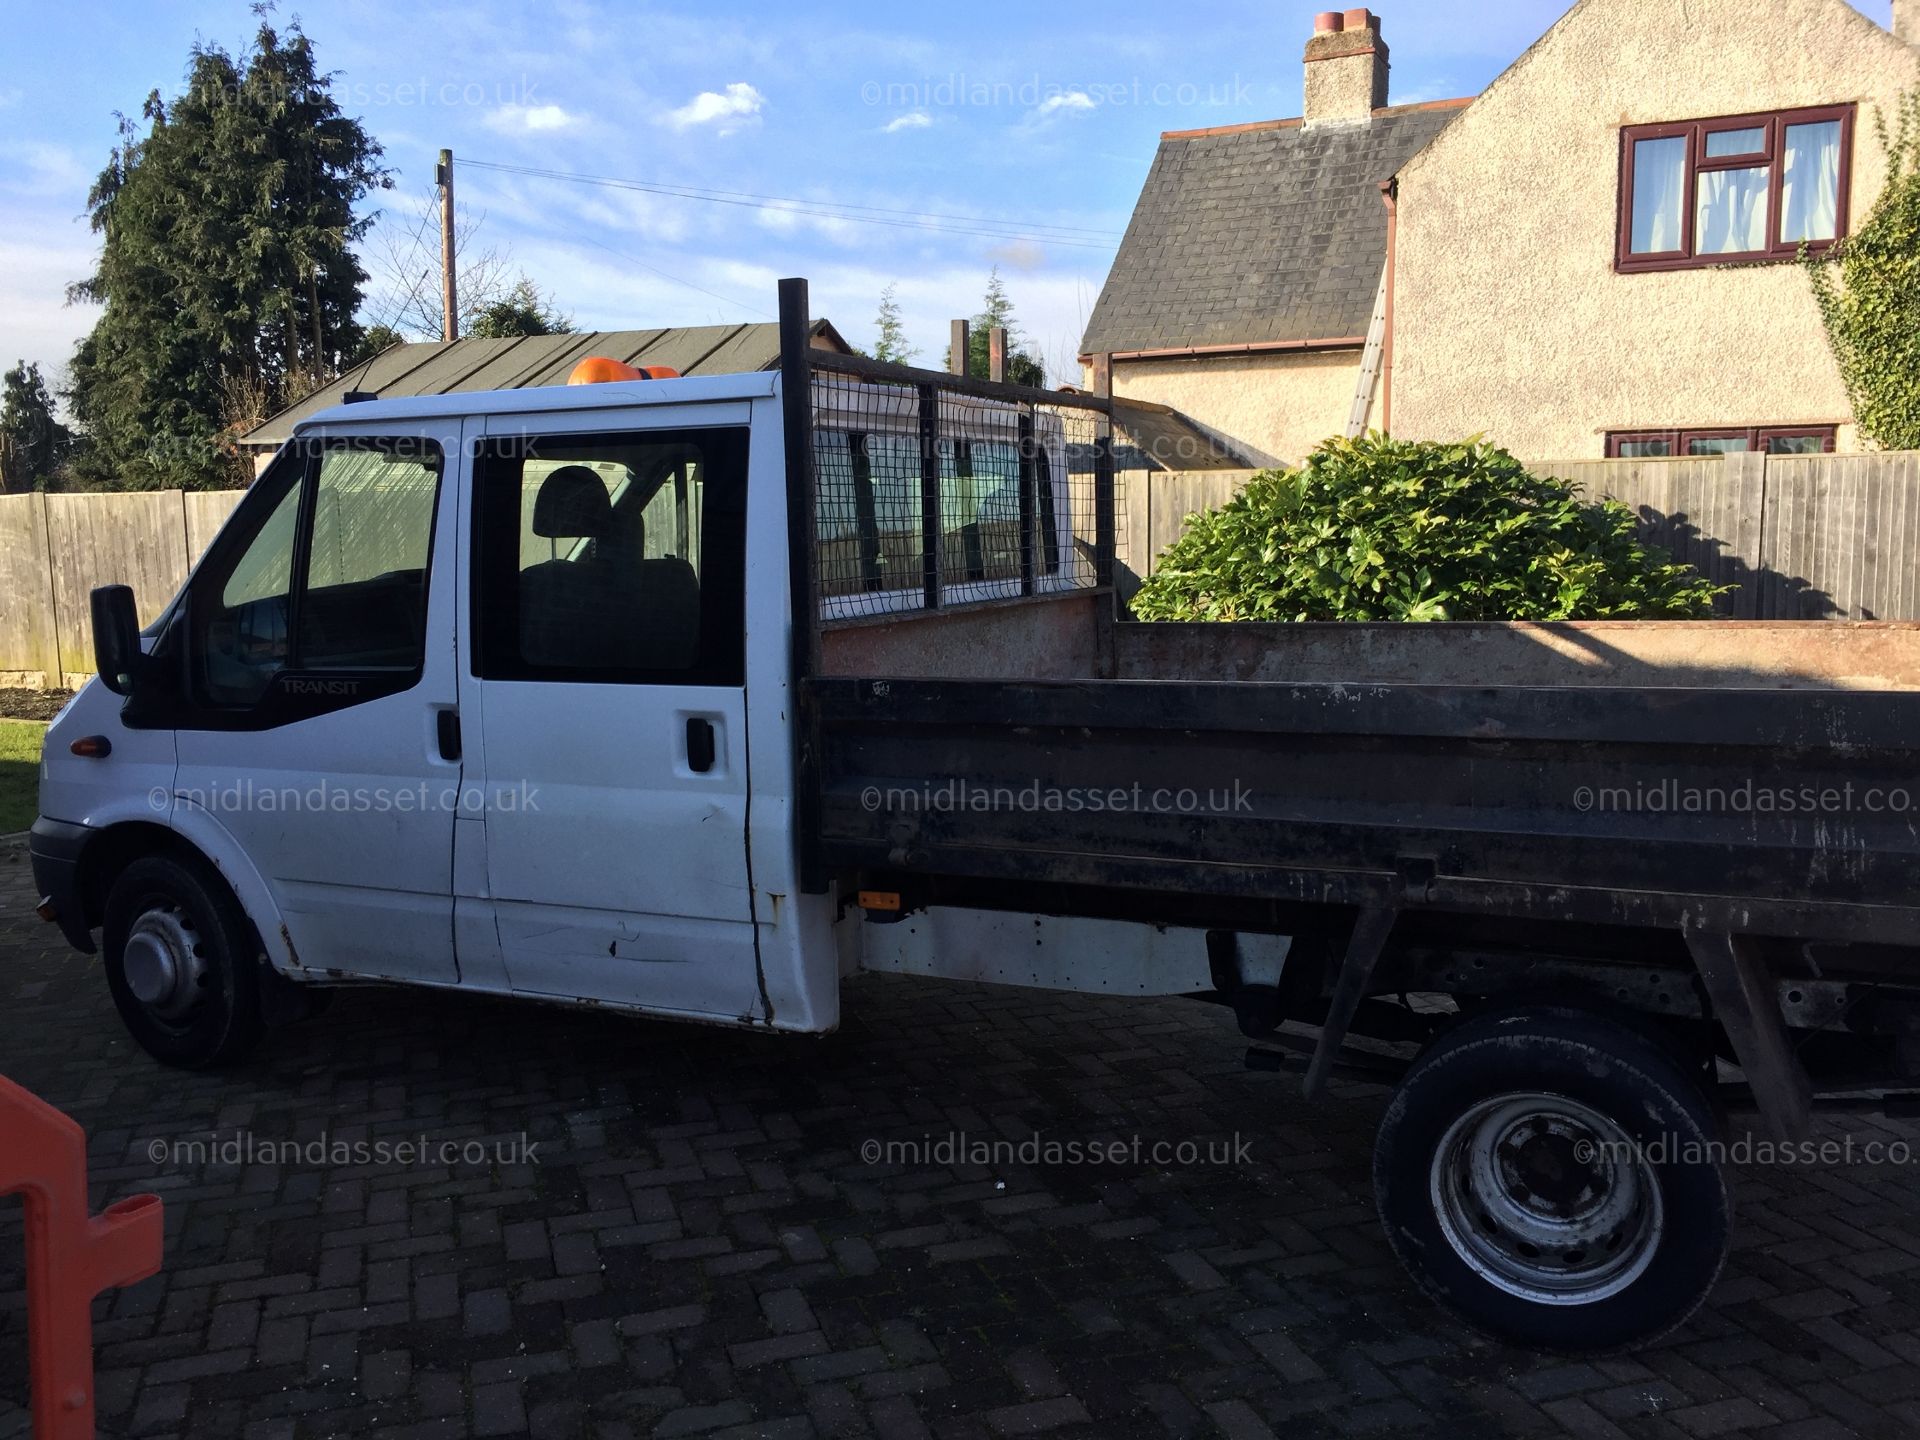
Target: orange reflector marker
point(93, 747)
point(599, 369)
point(879, 899)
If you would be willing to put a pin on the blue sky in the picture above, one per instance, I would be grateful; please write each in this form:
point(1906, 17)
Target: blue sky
point(1035, 122)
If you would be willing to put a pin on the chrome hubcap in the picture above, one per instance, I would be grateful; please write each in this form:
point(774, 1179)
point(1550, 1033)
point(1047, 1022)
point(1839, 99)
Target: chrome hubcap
point(161, 963)
point(1546, 1198)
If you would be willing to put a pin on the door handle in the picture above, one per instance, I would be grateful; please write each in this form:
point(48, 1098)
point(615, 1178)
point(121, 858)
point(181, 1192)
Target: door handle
point(446, 724)
point(700, 748)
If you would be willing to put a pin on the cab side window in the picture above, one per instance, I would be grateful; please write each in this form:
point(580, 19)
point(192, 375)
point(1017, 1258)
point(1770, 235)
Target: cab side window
point(331, 577)
point(617, 559)
point(364, 603)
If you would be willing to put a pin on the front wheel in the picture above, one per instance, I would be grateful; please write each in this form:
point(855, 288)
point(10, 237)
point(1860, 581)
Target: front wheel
point(182, 963)
point(1548, 1175)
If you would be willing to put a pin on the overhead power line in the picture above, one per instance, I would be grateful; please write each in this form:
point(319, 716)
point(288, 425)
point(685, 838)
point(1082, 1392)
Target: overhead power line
point(945, 222)
point(747, 305)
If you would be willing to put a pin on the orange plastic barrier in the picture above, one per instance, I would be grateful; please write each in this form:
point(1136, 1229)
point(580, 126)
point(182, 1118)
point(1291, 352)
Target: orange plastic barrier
point(71, 1256)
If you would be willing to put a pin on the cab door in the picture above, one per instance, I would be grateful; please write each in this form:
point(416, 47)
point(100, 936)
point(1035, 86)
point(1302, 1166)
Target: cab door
point(603, 699)
point(316, 688)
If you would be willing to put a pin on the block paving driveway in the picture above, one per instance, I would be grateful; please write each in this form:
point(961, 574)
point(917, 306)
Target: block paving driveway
point(699, 1244)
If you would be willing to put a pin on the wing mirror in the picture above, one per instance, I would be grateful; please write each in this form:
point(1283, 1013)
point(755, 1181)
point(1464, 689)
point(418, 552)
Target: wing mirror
point(116, 637)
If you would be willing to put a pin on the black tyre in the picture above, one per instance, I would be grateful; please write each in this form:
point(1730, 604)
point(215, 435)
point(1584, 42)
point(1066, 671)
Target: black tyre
point(182, 963)
point(1548, 1175)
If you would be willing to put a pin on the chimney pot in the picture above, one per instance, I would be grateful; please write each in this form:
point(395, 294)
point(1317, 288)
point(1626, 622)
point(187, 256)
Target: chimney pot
point(1346, 76)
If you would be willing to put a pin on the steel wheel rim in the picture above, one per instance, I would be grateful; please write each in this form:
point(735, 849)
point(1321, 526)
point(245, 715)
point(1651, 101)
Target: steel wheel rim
point(162, 964)
point(1546, 1198)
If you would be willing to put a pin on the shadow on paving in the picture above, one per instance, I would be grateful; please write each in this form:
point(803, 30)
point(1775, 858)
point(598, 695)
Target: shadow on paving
point(700, 1243)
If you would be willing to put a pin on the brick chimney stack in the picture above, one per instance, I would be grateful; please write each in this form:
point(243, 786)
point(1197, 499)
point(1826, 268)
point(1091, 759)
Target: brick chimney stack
point(1347, 66)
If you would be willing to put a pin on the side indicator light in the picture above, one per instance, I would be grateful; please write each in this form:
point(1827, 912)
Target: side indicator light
point(93, 747)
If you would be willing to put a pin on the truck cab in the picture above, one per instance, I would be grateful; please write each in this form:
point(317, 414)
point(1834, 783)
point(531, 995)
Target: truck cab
point(485, 691)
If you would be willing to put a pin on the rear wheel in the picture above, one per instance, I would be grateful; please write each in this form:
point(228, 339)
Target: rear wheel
point(182, 963)
point(1547, 1174)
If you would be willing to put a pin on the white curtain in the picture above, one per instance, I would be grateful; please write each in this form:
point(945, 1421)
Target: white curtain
point(1732, 219)
point(1659, 176)
point(1810, 186)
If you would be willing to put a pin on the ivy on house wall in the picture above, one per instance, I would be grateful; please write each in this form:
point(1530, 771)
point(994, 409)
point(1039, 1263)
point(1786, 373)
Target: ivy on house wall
point(1868, 289)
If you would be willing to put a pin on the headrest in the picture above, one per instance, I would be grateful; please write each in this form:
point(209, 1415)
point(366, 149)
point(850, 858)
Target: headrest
point(572, 503)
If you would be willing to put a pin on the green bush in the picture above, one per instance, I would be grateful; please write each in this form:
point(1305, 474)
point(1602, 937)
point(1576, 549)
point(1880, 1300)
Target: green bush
point(1380, 529)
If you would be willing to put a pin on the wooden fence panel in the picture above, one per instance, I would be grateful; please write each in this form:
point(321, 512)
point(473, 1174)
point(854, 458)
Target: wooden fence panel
point(1706, 511)
point(207, 511)
point(136, 538)
point(1800, 536)
point(1842, 537)
point(29, 642)
point(1796, 537)
point(1160, 501)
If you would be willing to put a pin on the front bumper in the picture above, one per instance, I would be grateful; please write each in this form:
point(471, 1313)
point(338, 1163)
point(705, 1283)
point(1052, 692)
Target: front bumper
point(54, 846)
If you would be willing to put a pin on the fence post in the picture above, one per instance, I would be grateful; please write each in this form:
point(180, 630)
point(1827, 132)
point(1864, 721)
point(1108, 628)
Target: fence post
point(1762, 560)
point(803, 560)
point(1028, 539)
point(29, 638)
point(1104, 544)
point(1745, 476)
point(931, 526)
point(796, 415)
point(56, 677)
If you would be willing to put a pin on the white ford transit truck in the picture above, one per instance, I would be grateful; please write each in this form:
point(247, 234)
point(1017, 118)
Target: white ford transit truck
point(694, 697)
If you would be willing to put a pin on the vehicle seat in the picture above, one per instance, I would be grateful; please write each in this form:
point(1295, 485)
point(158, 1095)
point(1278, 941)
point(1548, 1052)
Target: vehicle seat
point(654, 604)
point(667, 616)
point(564, 601)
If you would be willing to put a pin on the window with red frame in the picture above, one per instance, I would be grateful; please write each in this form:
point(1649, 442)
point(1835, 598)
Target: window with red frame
point(1768, 439)
point(1741, 187)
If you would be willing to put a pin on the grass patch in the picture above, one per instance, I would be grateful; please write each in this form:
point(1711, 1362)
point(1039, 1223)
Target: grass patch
point(19, 773)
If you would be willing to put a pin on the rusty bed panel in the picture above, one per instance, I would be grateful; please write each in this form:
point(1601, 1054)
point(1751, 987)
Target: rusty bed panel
point(1720, 654)
point(1786, 812)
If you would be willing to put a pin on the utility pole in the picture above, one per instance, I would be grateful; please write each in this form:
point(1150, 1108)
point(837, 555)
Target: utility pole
point(449, 291)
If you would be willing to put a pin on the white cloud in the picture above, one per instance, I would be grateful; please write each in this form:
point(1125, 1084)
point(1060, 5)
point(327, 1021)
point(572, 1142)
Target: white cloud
point(1024, 256)
point(1067, 102)
point(912, 120)
point(34, 276)
point(728, 110)
point(785, 220)
point(38, 168)
point(514, 119)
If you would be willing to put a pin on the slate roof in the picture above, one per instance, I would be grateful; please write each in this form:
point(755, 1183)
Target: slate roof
point(1258, 233)
point(443, 367)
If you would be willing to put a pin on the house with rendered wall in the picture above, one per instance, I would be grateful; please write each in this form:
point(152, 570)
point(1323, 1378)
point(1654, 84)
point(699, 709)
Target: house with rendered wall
point(1247, 290)
point(1597, 255)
